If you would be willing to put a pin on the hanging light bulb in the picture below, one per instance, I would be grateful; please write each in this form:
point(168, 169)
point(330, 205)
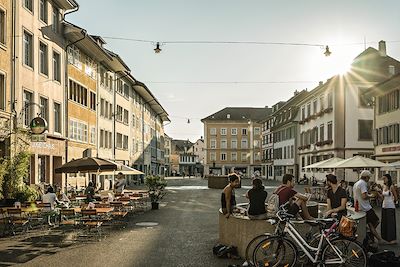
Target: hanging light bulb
point(327, 53)
point(188, 121)
point(157, 49)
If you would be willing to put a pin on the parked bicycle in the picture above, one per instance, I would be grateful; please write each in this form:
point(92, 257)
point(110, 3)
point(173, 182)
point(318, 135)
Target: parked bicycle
point(332, 249)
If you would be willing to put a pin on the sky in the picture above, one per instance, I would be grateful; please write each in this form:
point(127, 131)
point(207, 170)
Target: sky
point(194, 80)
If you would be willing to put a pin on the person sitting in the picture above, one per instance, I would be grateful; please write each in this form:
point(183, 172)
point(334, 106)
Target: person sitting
point(228, 201)
point(257, 196)
point(50, 198)
point(89, 192)
point(336, 198)
point(295, 200)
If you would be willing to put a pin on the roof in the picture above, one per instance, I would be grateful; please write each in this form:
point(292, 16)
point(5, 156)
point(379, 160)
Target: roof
point(384, 86)
point(239, 113)
point(67, 4)
point(117, 64)
point(181, 144)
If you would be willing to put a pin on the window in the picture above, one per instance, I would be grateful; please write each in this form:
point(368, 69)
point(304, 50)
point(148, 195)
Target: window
point(243, 156)
point(244, 131)
point(93, 135)
point(244, 144)
point(78, 93)
point(233, 156)
point(330, 100)
point(2, 27)
point(125, 142)
point(56, 67)
point(212, 156)
point(223, 144)
point(56, 20)
point(126, 116)
point(213, 131)
point(90, 67)
point(28, 49)
point(119, 140)
point(44, 108)
point(391, 70)
point(2, 92)
point(78, 131)
point(315, 106)
point(233, 144)
point(28, 4)
point(126, 90)
point(43, 59)
point(308, 110)
point(321, 133)
point(257, 156)
point(303, 113)
point(92, 100)
point(213, 144)
point(257, 131)
point(119, 114)
point(256, 143)
point(28, 109)
point(321, 103)
point(223, 156)
point(330, 130)
point(365, 130)
point(234, 131)
point(74, 56)
point(389, 102)
point(101, 138)
point(57, 118)
point(43, 10)
point(223, 131)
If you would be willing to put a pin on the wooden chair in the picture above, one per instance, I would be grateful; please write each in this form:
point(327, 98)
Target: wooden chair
point(16, 220)
point(119, 214)
point(91, 220)
point(68, 218)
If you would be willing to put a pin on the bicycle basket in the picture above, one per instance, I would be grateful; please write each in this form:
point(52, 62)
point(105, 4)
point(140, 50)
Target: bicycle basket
point(347, 227)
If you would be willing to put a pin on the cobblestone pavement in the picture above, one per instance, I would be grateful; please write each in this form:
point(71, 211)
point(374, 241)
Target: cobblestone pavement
point(186, 230)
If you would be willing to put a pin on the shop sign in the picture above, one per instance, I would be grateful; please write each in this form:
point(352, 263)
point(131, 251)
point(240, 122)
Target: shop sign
point(38, 125)
point(43, 145)
point(38, 138)
point(391, 149)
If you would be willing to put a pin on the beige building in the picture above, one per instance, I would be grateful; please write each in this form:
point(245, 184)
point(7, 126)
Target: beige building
point(6, 44)
point(40, 81)
point(386, 96)
point(337, 118)
point(232, 139)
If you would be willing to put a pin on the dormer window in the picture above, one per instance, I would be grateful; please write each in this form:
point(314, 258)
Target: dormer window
point(228, 116)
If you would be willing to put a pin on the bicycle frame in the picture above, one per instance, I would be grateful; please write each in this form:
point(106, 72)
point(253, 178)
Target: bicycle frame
point(305, 247)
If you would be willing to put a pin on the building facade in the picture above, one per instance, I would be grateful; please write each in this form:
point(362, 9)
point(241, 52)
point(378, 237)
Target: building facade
point(285, 135)
point(386, 97)
point(337, 118)
point(232, 139)
point(6, 55)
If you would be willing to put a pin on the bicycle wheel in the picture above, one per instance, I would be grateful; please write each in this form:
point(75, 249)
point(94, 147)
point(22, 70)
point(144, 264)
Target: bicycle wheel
point(252, 245)
point(275, 251)
point(351, 251)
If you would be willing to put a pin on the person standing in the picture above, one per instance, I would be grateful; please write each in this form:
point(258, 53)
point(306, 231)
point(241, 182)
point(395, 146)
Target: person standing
point(388, 225)
point(228, 200)
point(120, 183)
point(89, 192)
point(257, 196)
point(336, 198)
point(360, 193)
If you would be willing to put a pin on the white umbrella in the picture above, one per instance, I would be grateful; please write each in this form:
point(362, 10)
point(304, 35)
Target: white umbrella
point(318, 165)
point(392, 166)
point(121, 168)
point(356, 162)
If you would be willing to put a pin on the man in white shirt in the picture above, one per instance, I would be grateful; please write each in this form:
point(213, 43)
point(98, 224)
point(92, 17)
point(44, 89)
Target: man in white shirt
point(360, 192)
point(120, 183)
point(50, 197)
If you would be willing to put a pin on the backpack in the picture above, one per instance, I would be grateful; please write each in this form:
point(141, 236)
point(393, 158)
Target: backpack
point(273, 201)
point(216, 248)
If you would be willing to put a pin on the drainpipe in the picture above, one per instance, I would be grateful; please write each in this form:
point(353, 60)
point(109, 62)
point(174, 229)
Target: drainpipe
point(13, 112)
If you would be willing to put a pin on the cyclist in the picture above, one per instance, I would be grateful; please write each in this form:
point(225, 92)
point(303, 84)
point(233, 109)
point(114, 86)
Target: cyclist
point(296, 200)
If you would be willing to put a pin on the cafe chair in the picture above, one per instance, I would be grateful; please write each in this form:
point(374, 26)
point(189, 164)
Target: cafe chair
point(16, 221)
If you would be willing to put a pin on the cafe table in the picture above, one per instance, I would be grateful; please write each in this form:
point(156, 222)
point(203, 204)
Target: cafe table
point(98, 210)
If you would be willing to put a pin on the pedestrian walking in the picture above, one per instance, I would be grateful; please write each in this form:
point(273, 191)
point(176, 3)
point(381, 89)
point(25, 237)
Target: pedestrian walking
point(389, 196)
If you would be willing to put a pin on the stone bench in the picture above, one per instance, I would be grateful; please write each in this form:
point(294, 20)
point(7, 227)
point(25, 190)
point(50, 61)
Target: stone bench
point(239, 230)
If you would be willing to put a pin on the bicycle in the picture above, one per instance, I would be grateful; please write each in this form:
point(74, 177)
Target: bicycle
point(332, 249)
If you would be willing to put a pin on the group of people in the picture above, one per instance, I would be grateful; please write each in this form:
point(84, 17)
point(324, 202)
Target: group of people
point(337, 201)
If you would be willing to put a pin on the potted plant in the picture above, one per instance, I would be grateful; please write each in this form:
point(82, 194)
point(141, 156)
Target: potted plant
point(156, 186)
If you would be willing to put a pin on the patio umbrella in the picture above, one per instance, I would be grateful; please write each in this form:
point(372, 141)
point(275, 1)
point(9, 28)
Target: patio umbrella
point(355, 162)
point(327, 161)
point(392, 166)
point(88, 164)
point(126, 170)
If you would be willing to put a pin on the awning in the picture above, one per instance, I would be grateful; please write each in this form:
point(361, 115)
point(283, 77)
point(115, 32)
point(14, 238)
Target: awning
point(327, 161)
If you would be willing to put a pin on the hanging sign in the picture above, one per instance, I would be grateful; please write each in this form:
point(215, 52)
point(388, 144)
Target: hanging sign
point(38, 125)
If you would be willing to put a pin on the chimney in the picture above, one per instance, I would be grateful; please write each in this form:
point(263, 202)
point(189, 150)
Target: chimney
point(321, 83)
point(228, 116)
point(382, 48)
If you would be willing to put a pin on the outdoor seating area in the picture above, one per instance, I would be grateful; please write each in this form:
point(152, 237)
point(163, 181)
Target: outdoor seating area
point(84, 219)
